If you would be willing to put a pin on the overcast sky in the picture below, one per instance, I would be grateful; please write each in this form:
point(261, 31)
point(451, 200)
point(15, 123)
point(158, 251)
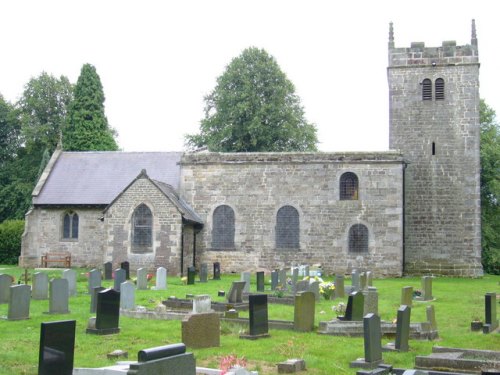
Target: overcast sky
point(158, 59)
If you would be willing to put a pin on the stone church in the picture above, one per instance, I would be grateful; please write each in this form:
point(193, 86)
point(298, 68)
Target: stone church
point(412, 210)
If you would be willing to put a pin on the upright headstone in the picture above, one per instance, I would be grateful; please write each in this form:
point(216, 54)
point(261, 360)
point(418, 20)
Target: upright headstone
point(427, 288)
point(246, 276)
point(93, 298)
point(306, 270)
point(355, 280)
point(216, 270)
point(236, 292)
point(490, 313)
point(363, 281)
point(108, 271)
point(202, 304)
point(5, 284)
point(120, 277)
point(303, 318)
point(191, 275)
point(59, 296)
point(203, 273)
point(355, 307)
point(282, 279)
point(127, 296)
point(201, 330)
point(274, 279)
point(70, 275)
point(57, 347)
point(369, 278)
point(372, 341)
point(407, 295)
point(371, 301)
point(431, 317)
point(19, 302)
point(142, 279)
point(339, 286)
point(107, 313)
point(295, 277)
point(402, 331)
point(161, 278)
point(94, 279)
point(314, 287)
point(258, 316)
point(260, 281)
point(40, 288)
point(302, 286)
point(126, 266)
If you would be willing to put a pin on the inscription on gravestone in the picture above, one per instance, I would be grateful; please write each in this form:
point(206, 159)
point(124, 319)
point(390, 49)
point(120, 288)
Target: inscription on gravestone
point(57, 347)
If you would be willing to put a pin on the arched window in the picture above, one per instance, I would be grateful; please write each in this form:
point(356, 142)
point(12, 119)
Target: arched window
point(427, 89)
point(439, 89)
point(348, 186)
point(358, 239)
point(70, 226)
point(287, 228)
point(223, 228)
point(142, 229)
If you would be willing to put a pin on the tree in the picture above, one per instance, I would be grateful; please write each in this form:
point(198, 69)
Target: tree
point(10, 132)
point(490, 189)
point(88, 128)
point(254, 108)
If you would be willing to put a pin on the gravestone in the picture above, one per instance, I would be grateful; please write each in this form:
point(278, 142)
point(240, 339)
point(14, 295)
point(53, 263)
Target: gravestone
point(236, 292)
point(201, 330)
point(161, 278)
point(5, 284)
point(363, 281)
point(120, 277)
point(431, 317)
point(107, 313)
point(246, 276)
point(260, 281)
point(40, 288)
point(19, 302)
point(372, 342)
point(426, 289)
point(303, 317)
point(126, 266)
point(274, 279)
point(59, 296)
point(57, 347)
point(339, 286)
point(258, 317)
point(127, 296)
point(371, 301)
point(93, 298)
point(191, 275)
point(355, 307)
point(490, 313)
point(94, 279)
point(295, 278)
point(204, 273)
point(369, 278)
point(202, 304)
point(216, 271)
point(314, 287)
point(282, 279)
point(355, 280)
point(302, 286)
point(142, 279)
point(169, 359)
point(70, 275)
point(108, 271)
point(407, 295)
point(402, 331)
point(306, 271)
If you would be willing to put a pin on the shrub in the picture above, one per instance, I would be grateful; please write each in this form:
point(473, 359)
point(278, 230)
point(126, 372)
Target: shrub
point(10, 240)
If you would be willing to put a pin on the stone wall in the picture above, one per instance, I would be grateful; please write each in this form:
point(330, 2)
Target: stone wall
point(440, 142)
point(43, 234)
point(257, 185)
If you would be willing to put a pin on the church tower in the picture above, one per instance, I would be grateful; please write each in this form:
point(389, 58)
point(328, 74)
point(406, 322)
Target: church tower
point(434, 121)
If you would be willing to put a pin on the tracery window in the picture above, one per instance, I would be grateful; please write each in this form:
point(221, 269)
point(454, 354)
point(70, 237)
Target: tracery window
point(223, 228)
point(70, 226)
point(142, 229)
point(287, 228)
point(348, 186)
point(358, 239)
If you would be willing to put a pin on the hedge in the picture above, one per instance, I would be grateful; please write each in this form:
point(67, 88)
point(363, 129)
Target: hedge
point(10, 241)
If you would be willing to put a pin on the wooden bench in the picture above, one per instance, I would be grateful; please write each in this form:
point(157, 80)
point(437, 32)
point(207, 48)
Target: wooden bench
point(49, 258)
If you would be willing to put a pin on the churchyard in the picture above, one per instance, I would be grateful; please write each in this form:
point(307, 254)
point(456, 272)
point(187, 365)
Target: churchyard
point(153, 318)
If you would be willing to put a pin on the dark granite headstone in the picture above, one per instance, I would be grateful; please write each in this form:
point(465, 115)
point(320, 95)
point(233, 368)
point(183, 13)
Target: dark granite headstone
point(107, 313)
point(304, 311)
point(216, 271)
point(126, 266)
point(108, 271)
point(57, 346)
point(260, 281)
point(402, 331)
point(158, 352)
point(258, 317)
point(203, 273)
point(191, 275)
point(490, 313)
point(355, 307)
point(171, 359)
point(93, 298)
point(120, 277)
point(372, 343)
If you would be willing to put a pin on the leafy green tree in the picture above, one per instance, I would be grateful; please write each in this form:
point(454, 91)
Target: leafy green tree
point(254, 108)
point(10, 132)
point(88, 128)
point(10, 241)
point(490, 189)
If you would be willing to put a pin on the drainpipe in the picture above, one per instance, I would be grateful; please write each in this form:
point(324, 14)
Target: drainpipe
point(182, 250)
point(405, 164)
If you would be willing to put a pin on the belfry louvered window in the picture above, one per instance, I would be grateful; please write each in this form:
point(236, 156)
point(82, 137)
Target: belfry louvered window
point(70, 226)
point(223, 228)
point(358, 239)
point(439, 89)
point(287, 228)
point(142, 229)
point(348, 186)
point(427, 89)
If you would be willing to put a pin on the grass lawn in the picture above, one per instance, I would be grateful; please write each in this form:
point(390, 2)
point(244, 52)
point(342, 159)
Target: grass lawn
point(457, 302)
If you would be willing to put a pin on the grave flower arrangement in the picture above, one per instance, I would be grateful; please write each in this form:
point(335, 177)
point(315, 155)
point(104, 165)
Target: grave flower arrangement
point(231, 361)
point(326, 289)
point(339, 309)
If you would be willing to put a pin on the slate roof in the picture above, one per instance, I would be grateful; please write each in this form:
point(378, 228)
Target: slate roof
point(97, 177)
point(186, 211)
